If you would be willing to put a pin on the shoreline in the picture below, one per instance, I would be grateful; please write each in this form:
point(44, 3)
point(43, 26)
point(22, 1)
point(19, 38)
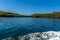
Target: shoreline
point(29, 17)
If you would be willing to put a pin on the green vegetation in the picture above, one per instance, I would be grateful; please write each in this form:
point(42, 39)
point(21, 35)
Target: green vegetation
point(8, 14)
point(36, 15)
point(42, 15)
point(56, 14)
point(49, 15)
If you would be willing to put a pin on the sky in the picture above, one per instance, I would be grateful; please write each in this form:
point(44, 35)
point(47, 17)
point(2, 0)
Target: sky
point(28, 7)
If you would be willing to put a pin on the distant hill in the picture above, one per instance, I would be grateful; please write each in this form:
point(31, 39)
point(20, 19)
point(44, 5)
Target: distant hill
point(36, 15)
point(56, 14)
point(8, 14)
point(49, 15)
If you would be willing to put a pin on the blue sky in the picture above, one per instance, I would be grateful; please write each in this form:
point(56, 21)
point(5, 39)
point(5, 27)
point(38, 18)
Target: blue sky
point(28, 7)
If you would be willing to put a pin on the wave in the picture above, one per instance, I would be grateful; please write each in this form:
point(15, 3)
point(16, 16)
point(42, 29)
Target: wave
point(49, 35)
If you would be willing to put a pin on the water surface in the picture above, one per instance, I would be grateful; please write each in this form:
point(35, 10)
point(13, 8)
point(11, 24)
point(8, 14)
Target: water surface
point(22, 26)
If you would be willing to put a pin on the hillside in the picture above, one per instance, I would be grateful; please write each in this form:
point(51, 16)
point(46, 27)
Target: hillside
point(56, 14)
point(36, 15)
point(8, 14)
point(49, 15)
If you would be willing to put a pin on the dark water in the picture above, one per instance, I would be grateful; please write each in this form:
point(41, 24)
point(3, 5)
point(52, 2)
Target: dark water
point(22, 26)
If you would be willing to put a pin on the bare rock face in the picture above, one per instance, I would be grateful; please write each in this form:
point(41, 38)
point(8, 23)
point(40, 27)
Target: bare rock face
point(51, 35)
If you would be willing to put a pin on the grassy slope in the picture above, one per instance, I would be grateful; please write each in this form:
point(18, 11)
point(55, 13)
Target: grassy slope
point(50, 15)
point(8, 14)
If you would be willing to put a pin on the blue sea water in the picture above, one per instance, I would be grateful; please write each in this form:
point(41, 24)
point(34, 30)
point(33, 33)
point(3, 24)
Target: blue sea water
point(10, 27)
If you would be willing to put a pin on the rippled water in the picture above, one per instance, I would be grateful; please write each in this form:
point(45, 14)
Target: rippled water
point(22, 26)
